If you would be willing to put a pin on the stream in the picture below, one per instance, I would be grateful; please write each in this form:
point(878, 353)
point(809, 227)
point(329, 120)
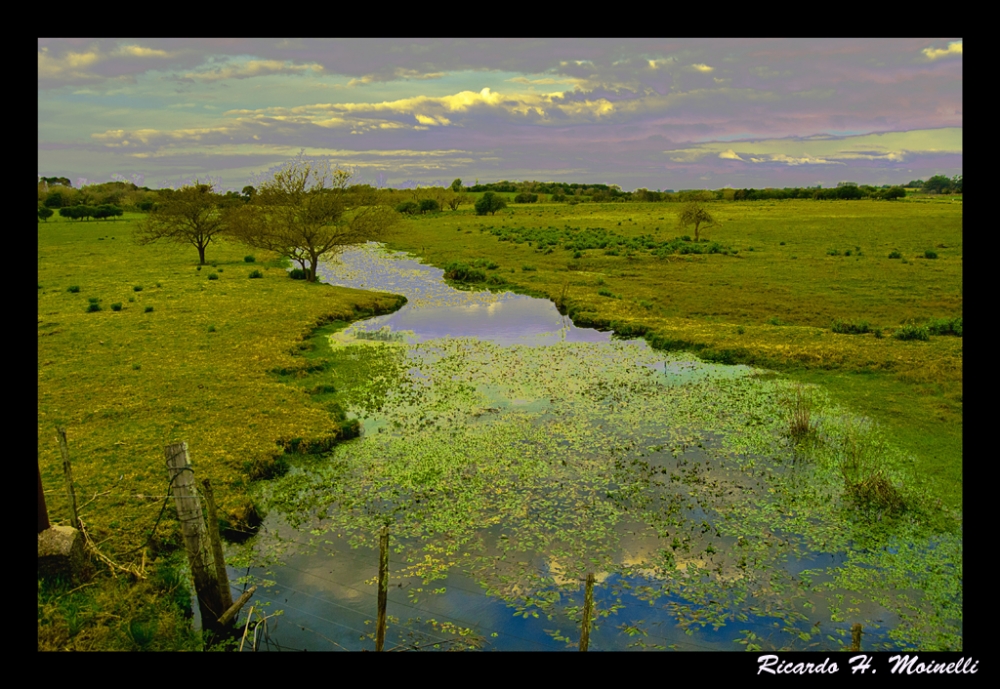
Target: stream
point(511, 454)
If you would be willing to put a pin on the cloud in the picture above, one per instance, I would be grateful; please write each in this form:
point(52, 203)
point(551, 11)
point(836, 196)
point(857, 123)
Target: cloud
point(139, 51)
point(828, 150)
point(954, 48)
point(71, 64)
point(701, 67)
point(253, 68)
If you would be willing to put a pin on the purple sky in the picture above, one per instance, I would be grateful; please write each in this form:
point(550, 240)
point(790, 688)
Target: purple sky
point(660, 114)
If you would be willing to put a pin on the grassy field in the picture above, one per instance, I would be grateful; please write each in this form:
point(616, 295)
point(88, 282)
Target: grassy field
point(221, 362)
point(186, 357)
point(789, 271)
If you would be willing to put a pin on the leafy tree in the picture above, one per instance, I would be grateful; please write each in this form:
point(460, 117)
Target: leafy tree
point(956, 184)
point(456, 186)
point(455, 199)
point(305, 212)
point(408, 207)
point(189, 215)
point(107, 211)
point(695, 213)
point(893, 193)
point(525, 197)
point(429, 205)
point(248, 193)
point(490, 203)
point(44, 213)
point(938, 184)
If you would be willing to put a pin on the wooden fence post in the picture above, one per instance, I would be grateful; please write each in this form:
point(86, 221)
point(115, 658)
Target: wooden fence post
point(588, 609)
point(856, 636)
point(43, 512)
point(68, 474)
point(199, 551)
point(383, 586)
point(225, 594)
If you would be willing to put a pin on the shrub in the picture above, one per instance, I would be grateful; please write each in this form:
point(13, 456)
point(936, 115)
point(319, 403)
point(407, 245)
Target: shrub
point(429, 205)
point(781, 243)
point(485, 263)
point(577, 254)
point(462, 272)
point(846, 328)
point(740, 330)
point(211, 328)
point(149, 309)
point(833, 252)
point(117, 306)
point(945, 326)
point(930, 254)
point(271, 466)
point(528, 268)
point(249, 259)
point(878, 333)
point(45, 213)
point(912, 332)
point(297, 274)
point(198, 268)
point(74, 289)
point(895, 254)
point(92, 307)
point(213, 276)
point(93, 300)
point(408, 207)
point(256, 274)
point(137, 288)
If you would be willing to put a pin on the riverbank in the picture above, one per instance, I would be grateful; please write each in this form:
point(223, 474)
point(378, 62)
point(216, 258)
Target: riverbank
point(184, 356)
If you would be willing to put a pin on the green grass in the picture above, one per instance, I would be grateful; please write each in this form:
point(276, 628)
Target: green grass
point(212, 390)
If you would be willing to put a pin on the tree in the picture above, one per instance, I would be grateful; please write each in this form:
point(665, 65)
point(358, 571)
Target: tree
point(189, 215)
point(429, 205)
point(695, 214)
point(456, 186)
point(306, 212)
point(938, 184)
point(44, 213)
point(490, 203)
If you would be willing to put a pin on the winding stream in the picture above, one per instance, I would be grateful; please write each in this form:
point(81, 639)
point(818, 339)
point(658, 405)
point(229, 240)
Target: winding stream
point(512, 453)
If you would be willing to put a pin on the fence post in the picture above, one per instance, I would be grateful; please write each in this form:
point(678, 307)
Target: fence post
point(68, 474)
point(193, 529)
point(225, 594)
point(43, 512)
point(383, 586)
point(588, 609)
point(856, 636)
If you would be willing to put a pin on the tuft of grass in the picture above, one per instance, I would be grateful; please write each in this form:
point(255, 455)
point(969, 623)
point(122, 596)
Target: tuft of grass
point(801, 426)
point(256, 274)
point(249, 259)
point(213, 276)
point(93, 307)
point(848, 328)
point(861, 455)
point(930, 254)
point(137, 288)
point(297, 274)
point(211, 328)
point(528, 268)
point(74, 289)
point(895, 254)
point(833, 252)
point(945, 326)
point(149, 309)
point(117, 306)
point(912, 332)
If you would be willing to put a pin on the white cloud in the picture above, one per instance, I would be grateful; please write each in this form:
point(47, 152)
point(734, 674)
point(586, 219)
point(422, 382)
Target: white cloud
point(954, 48)
point(729, 154)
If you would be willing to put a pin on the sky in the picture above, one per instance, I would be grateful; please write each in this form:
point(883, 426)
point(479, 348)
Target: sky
point(659, 113)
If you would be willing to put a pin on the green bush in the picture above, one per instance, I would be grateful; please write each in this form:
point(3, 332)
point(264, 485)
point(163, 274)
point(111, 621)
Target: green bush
point(137, 288)
point(74, 289)
point(945, 326)
point(895, 254)
point(213, 276)
point(149, 309)
point(912, 332)
point(249, 259)
point(528, 268)
point(408, 207)
point(930, 254)
point(92, 307)
point(256, 274)
point(462, 272)
point(429, 206)
point(117, 306)
point(833, 252)
point(297, 274)
point(211, 328)
point(847, 328)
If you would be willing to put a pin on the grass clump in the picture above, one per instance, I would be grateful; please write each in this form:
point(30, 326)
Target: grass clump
point(137, 288)
point(117, 306)
point(249, 259)
point(213, 276)
point(930, 254)
point(912, 332)
point(849, 328)
point(895, 254)
point(92, 308)
point(256, 274)
point(462, 272)
point(148, 309)
point(801, 405)
point(297, 274)
point(861, 457)
point(74, 289)
point(945, 326)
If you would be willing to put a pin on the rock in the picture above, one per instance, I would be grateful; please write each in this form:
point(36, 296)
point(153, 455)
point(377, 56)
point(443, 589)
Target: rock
point(60, 553)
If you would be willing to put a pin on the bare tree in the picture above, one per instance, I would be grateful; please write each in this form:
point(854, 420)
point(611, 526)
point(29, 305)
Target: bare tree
point(188, 216)
point(307, 210)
